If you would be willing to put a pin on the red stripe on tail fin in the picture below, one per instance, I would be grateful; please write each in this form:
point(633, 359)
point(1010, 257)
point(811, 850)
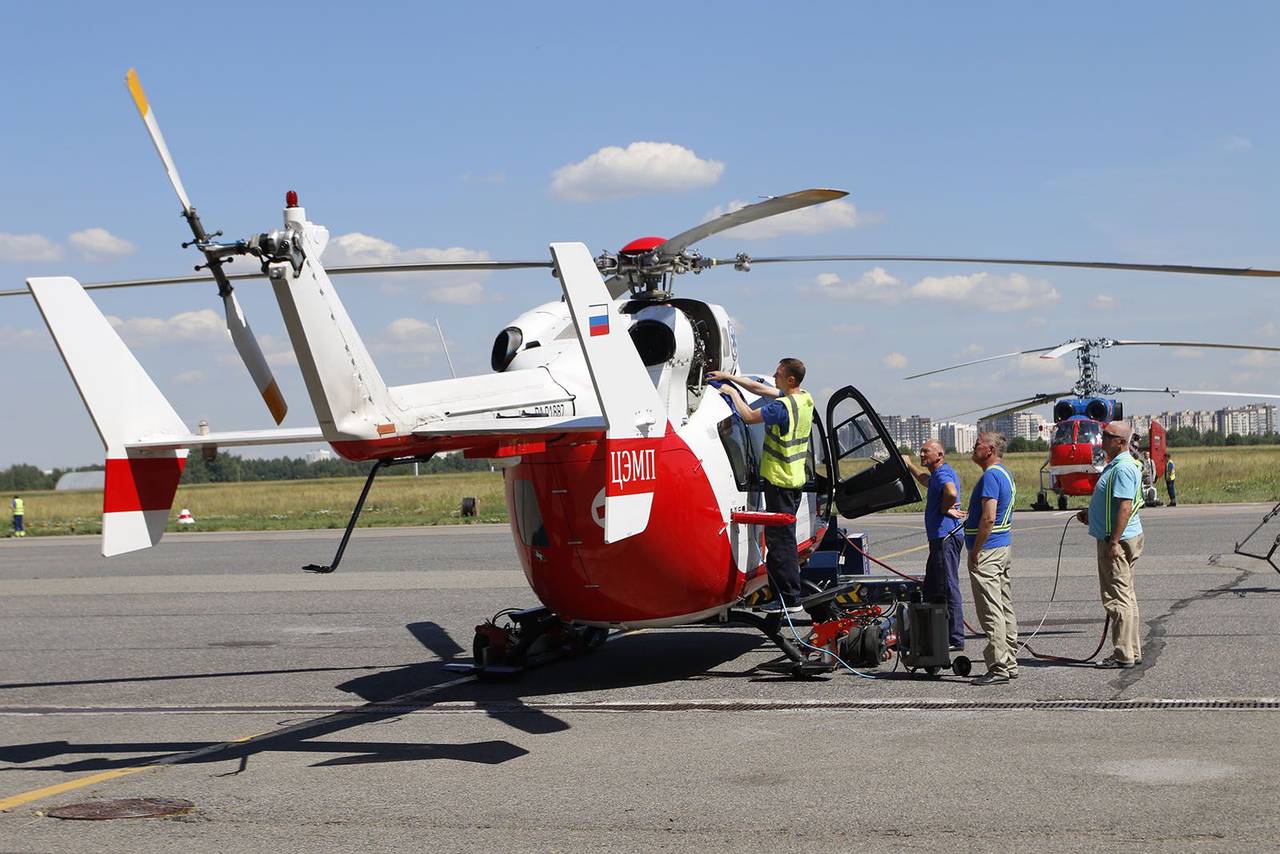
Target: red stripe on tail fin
point(141, 483)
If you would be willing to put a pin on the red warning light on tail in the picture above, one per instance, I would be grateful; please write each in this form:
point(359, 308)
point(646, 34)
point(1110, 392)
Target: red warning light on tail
point(291, 199)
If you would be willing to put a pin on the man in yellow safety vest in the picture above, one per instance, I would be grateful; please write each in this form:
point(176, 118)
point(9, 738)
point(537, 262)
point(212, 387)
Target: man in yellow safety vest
point(788, 420)
point(19, 514)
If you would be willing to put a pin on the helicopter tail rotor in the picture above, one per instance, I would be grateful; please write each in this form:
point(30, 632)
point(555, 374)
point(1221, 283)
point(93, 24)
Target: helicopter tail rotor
point(216, 255)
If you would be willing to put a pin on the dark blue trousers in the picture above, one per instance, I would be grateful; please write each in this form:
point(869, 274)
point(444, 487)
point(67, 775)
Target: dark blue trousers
point(781, 555)
point(942, 582)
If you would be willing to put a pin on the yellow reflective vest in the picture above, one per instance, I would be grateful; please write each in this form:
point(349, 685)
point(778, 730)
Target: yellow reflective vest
point(19, 509)
point(785, 452)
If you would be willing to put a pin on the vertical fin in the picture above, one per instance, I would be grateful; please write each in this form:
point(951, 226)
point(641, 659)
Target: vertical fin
point(125, 405)
point(635, 419)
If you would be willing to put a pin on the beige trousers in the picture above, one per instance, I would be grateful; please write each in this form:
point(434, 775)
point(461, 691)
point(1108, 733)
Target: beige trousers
point(993, 600)
point(1120, 596)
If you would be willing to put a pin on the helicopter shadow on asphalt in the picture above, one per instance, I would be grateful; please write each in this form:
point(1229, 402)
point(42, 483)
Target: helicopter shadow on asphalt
point(627, 661)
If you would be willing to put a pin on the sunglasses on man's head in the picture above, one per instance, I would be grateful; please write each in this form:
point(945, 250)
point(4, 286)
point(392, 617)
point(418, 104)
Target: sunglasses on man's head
point(1112, 435)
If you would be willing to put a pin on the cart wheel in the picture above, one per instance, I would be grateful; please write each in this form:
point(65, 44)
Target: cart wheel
point(933, 671)
point(961, 665)
point(1062, 502)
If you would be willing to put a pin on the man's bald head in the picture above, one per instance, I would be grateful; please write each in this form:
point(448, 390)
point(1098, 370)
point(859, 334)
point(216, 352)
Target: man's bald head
point(932, 454)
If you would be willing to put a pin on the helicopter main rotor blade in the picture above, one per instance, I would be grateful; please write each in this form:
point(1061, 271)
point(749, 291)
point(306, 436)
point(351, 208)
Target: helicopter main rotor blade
point(769, 207)
point(1177, 391)
point(1193, 344)
point(978, 362)
point(1013, 405)
point(1063, 349)
point(355, 269)
point(1022, 262)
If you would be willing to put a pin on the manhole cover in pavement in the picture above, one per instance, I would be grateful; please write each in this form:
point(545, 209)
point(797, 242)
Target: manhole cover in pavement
point(122, 808)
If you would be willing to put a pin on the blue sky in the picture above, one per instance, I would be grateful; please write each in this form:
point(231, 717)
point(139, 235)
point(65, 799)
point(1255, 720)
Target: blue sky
point(1096, 131)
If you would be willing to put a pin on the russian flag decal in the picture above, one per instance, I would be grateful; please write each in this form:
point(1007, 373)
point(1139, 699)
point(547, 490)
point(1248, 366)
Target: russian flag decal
point(598, 319)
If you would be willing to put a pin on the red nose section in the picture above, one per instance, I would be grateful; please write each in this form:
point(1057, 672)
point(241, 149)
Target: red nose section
point(641, 245)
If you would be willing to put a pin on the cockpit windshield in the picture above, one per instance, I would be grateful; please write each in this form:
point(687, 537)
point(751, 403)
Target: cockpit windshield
point(1088, 433)
point(1064, 433)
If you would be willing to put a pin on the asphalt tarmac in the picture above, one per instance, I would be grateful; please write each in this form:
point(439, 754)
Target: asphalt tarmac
point(304, 712)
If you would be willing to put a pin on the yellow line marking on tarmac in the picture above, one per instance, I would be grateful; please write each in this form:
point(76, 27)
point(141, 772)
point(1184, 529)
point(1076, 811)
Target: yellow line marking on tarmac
point(70, 785)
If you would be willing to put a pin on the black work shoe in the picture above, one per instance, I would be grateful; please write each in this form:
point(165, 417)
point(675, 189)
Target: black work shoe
point(1113, 663)
point(991, 679)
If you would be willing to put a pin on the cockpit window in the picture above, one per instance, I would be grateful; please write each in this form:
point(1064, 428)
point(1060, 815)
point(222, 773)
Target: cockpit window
point(1065, 433)
point(1089, 433)
point(743, 443)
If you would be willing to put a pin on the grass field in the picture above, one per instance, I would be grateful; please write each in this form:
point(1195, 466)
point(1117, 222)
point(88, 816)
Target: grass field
point(1205, 476)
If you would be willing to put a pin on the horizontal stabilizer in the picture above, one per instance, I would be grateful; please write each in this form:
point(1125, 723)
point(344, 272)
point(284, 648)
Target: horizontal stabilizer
point(229, 439)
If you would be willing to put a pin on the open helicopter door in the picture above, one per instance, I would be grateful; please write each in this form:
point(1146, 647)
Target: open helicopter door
point(867, 472)
point(1156, 447)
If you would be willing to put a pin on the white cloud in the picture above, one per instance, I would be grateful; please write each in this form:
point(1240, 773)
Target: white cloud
point(12, 338)
point(1255, 359)
point(190, 377)
point(894, 360)
point(1237, 143)
point(357, 248)
point(828, 216)
point(278, 351)
point(997, 293)
point(408, 336)
point(202, 326)
point(1187, 353)
point(641, 167)
point(875, 285)
point(469, 293)
point(28, 247)
point(1268, 329)
point(1011, 292)
point(98, 244)
point(1032, 365)
point(848, 328)
point(970, 350)
point(1103, 302)
point(460, 287)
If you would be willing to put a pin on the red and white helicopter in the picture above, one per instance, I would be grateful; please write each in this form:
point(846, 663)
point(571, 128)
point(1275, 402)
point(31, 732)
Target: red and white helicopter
point(1075, 450)
point(632, 485)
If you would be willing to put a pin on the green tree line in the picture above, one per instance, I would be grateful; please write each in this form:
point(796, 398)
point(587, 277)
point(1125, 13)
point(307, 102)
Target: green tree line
point(228, 468)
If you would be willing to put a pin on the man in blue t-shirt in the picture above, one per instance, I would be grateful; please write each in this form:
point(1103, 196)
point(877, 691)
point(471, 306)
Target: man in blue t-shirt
point(942, 527)
point(987, 536)
point(1112, 517)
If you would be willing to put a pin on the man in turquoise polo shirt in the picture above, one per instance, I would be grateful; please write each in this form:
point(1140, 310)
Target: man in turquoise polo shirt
point(1112, 517)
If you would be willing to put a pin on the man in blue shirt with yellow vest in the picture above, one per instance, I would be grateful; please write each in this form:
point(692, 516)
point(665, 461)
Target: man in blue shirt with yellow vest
point(1112, 517)
point(987, 534)
point(788, 420)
